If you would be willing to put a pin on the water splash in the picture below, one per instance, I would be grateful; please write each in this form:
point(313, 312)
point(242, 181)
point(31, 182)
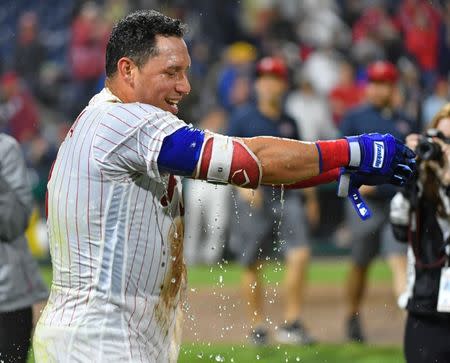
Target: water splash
point(236, 210)
point(220, 358)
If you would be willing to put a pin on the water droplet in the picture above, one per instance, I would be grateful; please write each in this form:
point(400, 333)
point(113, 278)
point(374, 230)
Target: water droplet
point(219, 358)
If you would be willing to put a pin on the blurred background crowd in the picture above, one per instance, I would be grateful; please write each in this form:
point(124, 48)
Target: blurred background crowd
point(52, 62)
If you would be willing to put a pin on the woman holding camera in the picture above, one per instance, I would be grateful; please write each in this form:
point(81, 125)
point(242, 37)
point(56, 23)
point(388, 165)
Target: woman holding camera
point(420, 215)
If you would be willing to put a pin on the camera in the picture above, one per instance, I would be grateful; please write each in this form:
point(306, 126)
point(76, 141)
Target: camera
point(427, 149)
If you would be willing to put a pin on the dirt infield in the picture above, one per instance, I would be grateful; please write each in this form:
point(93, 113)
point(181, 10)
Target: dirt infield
point(219, 315)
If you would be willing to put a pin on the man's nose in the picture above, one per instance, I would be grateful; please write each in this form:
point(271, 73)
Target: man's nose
point(183, 86)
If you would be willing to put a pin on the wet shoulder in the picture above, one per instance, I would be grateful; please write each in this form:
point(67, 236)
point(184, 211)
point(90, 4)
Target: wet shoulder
point(135, 113)
point(124, 117)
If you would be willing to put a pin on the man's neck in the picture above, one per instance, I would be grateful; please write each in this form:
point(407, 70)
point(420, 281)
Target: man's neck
point(116, 91)
point(270, 110)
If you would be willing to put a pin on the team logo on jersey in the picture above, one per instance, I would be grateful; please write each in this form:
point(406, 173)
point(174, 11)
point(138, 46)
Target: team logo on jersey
point(378, 154)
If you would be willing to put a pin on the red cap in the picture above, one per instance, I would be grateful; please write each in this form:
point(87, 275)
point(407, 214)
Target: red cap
point(272, 65)
point(382, 71)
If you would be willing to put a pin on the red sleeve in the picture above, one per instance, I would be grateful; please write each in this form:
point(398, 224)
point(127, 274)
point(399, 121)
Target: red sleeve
point(324, 178)
point(333, 154)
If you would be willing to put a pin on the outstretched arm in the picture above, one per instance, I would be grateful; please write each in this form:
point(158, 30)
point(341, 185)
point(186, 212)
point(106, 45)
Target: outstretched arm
point(286, 161)
point(249, 162)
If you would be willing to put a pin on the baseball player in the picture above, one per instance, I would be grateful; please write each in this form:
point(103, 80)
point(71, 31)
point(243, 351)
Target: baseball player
point(115, 205)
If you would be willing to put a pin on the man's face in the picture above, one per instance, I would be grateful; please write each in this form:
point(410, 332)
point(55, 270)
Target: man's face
point(162, 81)
point(270, 88)
point(380, 93)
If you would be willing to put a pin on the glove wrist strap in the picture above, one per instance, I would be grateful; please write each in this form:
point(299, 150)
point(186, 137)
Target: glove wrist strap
point(359, 204)
point(355, 152)
point(346, 188)
point(344, 185)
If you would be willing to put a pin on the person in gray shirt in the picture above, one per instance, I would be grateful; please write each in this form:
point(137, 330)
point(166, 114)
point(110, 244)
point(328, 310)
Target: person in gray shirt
point(20, 283)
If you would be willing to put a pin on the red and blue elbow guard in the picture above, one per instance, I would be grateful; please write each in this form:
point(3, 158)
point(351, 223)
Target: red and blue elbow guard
point(215, 158)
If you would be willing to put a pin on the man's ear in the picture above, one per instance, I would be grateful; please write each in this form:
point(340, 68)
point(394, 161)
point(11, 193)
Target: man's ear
point(125, 69)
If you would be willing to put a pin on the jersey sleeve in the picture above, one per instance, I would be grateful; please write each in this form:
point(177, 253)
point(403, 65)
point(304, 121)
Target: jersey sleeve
point(129, 139)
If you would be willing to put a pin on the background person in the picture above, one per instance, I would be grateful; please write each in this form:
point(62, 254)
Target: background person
point(21, 286)
point(374, 235)
point(207, 209)
point(269, 218)
point(420, 215)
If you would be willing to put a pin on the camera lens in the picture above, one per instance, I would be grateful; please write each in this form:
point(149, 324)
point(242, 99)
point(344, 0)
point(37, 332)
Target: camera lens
point(428, 150)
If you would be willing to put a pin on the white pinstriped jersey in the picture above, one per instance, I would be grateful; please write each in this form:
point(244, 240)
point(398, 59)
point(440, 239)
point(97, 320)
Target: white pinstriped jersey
point(116, 240)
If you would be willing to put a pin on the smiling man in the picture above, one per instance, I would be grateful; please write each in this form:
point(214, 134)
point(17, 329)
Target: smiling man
point(115, 204)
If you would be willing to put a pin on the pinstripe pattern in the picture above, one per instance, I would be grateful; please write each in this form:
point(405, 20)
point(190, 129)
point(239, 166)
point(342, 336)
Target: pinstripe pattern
point(110, 243)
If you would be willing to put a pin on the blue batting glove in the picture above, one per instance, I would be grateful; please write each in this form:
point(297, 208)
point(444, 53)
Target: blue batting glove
point(374, 159)
point(350, 181)
point(377, 154)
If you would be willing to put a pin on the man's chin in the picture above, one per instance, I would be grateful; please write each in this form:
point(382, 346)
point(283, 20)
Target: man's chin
point(170, 108)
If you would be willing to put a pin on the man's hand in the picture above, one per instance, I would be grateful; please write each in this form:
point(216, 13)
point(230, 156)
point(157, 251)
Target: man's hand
point(374, 159)
point(381, 155)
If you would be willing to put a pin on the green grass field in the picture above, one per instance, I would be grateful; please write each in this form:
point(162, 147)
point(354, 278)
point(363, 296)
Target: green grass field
point(330, 271)
point(323, 353)
point(321, 271)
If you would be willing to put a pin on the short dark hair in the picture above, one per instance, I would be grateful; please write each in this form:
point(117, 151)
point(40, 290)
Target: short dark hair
point(134, 37)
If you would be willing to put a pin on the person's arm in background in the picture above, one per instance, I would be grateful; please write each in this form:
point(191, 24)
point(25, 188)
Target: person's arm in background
point(15, 193)
point(312, 207)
